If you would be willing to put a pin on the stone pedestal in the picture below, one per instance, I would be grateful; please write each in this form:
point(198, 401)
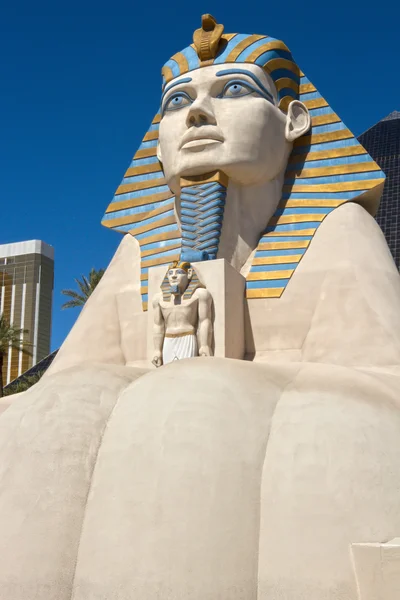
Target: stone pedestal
point(227, 288)
point(377, 568)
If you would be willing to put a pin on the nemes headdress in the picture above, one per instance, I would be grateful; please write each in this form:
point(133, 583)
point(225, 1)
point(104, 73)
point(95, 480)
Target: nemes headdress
point(327, 167)
point(194, 282)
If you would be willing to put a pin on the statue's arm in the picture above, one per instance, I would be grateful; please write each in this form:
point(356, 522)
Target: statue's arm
point(158, 332)
point(204, 333)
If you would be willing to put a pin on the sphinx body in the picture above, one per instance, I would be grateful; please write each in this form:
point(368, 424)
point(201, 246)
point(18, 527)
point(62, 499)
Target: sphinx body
point(216, 478)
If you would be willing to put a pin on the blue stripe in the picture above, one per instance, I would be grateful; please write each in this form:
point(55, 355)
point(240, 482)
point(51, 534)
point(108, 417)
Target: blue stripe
point(230, 46)
point(279, 73)
point(158, 230)
point(145, 297)
point(285, 238)
point(173, 65)
point(317, 194)
point(317, 112)
point(310, 96)
point(304, 211)
point(141, 193)
point(143, 177)
point(297, 227)
point(336, 178)
point(286, 91)
point(138, 162)
point(332, 162)
point(191, 56)
point(277, 267)
point(160, 245)
point(272, 283)
point(149, 144)
point(270, 55)
point(125, 212)
point(154, 127)
point(325, 145)
point(304, 80)
point(328, 128)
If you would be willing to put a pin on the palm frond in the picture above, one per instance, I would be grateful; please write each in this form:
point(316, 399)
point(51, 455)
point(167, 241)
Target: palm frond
point(86, 286)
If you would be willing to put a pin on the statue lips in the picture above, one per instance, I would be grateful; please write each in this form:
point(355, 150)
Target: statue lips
point(196, 138)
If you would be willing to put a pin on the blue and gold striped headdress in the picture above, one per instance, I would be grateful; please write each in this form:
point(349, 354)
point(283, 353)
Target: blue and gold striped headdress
point(327, 167)
point(194, 282)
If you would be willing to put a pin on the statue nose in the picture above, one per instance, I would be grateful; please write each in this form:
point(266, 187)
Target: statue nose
point(200, 113)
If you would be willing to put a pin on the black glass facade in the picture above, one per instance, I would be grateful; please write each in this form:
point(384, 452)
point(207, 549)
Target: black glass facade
point(382, 142)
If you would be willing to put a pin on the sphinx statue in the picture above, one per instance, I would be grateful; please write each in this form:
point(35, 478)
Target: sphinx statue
point(271, 477)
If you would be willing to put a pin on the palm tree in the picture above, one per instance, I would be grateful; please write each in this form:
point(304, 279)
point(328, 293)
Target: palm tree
point(86, 286)
point(10, 337)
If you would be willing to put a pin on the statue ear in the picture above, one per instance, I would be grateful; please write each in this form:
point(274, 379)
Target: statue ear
point(159, 156)
point(190, 273)
point(298, 121)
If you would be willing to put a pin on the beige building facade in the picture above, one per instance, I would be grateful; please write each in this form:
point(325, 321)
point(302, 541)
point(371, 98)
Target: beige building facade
point(26, 293)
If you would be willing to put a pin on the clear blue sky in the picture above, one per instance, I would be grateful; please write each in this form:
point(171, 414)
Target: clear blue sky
point(80, 82)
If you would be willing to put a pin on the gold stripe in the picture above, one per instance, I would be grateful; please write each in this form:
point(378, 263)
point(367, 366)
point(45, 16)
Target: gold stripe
point(325, 119)
point(160, 237)
point(178, 335)
point(285, 219)
point(277, 45)
point(133, 202)
point(151, 135)
point(144, 276)
point(150, 226)
point(136, 218)
point(139, 185)
point(232, 56)
point(156, 119)
point(281, 63)
point(318, 138)
point(316, 103)
point(297, 233)
point(284, 103)
point(157, 250)
point(337, 170)
point(163, 260)
point(286, 82)
point(167, 73)
point(144, 289)
point(217, 176)
point(145, 153)
point(301, 73)
point(144, 305)
point(322, 154)
point(143, 170)
point(182, 62)
point(306, 202)
point(277, 260)
point(305, 88)
point(283, 245)
point(345, 186)
point(265, 293)
point(268, 275)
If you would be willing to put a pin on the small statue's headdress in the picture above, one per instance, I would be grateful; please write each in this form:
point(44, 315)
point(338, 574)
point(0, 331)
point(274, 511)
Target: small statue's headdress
point(194, 282)
point(327, 167)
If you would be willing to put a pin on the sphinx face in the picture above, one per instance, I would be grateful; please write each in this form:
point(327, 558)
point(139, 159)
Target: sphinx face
point(223, 117)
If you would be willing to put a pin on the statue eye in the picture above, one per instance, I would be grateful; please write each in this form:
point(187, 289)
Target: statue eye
point(236, 89)
point(177, 100)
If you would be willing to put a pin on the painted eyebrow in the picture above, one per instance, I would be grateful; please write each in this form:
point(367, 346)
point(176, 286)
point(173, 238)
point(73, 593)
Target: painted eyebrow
point(184, 80)
point(249, 74)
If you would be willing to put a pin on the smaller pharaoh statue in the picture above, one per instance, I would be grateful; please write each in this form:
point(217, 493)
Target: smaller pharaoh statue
point(182, 316)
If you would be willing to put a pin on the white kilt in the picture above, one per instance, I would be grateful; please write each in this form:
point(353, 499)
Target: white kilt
point(176, 348)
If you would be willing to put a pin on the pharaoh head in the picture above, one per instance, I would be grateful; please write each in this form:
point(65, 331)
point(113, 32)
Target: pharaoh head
point(180, 278)
point(179, 274)
point(238, 113)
